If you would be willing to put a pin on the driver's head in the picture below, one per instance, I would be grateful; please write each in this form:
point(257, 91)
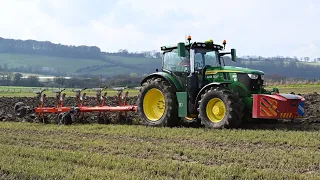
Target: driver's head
point(184, 62)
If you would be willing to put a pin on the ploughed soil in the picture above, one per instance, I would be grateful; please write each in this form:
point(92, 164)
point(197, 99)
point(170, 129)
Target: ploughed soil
point(310, 121)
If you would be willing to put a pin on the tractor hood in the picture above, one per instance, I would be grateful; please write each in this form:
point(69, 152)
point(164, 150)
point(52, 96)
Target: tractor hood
point(233, 69)
point(245, 70)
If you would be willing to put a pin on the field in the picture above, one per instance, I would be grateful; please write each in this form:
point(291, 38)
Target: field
point(297, 88)
point(16, 91)
point(263, 150)
point(60, 64)
point(38, 151)
point(110, 65)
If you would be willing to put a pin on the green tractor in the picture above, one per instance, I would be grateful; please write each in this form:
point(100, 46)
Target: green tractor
point(196, 87)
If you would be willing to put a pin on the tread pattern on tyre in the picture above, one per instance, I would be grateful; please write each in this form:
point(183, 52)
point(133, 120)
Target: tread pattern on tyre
point(65, 119)
point(233, 103)
point(170, 117)
point(20, 112)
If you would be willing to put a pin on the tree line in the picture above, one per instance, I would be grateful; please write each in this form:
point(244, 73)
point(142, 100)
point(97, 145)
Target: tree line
point(70, 51)
point(17, 79)
point(48, 48)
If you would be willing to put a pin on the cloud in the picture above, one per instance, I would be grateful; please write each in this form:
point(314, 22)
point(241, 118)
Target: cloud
point(266, 28)
point(23, 20)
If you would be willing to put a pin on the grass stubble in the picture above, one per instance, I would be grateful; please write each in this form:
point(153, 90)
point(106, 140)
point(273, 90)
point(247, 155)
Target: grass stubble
point(36, 151)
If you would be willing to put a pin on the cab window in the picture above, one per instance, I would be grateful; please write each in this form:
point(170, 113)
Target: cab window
point(173, 62)
point(205, 57)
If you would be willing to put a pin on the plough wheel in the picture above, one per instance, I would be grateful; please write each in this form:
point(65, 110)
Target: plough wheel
point(19, 110)
point(157, 103)
point(65, 119)
point(104, 120)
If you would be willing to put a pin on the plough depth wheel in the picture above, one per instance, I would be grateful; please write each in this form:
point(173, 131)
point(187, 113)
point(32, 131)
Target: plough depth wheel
point(20, 110)
point(65, 118)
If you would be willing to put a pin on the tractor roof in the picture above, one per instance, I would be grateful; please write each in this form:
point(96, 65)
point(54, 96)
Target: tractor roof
point(205, 45)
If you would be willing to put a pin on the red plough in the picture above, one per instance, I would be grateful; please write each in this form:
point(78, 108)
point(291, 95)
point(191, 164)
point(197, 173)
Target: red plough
point(64, 112)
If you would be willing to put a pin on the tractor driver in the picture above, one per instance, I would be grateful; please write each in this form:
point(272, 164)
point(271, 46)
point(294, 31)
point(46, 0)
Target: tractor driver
point(185, 63)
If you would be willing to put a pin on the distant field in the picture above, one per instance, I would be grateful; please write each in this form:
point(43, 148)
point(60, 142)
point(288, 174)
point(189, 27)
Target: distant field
point(32, 74)
point(71, 65)
point(36, 151)
point(60, 64)
point(311, 63)
point(297, 88)
point(114, 71)
point(133, 60)
point(308, 63)
point(12, 91)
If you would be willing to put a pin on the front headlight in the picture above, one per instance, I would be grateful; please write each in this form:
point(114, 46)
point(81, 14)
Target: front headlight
point(262, 77)
point(253, 76)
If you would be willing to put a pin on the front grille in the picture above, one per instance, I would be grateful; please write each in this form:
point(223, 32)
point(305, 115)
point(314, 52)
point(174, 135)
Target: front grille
point(251, 84)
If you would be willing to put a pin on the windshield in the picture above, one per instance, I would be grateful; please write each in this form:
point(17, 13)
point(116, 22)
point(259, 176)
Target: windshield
point(205, 57)
point(173, 62)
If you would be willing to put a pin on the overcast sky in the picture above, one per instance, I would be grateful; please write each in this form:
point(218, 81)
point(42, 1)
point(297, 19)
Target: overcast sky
point(253, 27)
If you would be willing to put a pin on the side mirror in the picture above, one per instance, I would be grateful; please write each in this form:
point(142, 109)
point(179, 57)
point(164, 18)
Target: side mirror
point(181, 49)
point(233, 54)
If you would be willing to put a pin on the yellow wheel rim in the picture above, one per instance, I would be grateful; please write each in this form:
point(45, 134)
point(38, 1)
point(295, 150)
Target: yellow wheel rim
point(191, 117)
point(154, 104)
point(216, 110)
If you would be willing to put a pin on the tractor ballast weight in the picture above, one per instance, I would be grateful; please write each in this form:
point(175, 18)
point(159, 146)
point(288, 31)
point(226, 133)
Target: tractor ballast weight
point(278, 106)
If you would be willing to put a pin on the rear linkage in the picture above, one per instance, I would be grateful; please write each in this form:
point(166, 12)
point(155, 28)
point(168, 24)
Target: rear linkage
point(64, 112)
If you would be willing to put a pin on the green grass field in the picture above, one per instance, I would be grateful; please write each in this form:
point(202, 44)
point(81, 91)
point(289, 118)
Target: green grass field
point(133, 60)
point(71, 65)
point(37, 151)
point(60, 64)
point(311, 63)
point(16, 91)
point(297, 88)
point(299, 63)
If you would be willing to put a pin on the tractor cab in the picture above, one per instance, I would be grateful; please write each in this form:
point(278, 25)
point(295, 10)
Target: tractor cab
point(195, 58)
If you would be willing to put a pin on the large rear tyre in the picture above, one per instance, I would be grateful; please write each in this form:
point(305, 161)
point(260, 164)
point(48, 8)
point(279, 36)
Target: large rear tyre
point(157, 103)
point(220, 108)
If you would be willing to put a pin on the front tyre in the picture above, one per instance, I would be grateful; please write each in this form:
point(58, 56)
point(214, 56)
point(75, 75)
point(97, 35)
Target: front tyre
point(220, 108)
point(157, 103)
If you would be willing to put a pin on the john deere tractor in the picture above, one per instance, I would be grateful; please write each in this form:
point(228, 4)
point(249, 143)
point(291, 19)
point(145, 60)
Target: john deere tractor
point(194, 85)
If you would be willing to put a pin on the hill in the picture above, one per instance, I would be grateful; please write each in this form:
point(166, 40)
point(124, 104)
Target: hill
point(67, 66)
point(44, 57)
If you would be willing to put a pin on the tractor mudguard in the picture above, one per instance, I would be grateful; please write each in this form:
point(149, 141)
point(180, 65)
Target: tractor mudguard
point(278, 106)
point(207, 87)
point(171, 80)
